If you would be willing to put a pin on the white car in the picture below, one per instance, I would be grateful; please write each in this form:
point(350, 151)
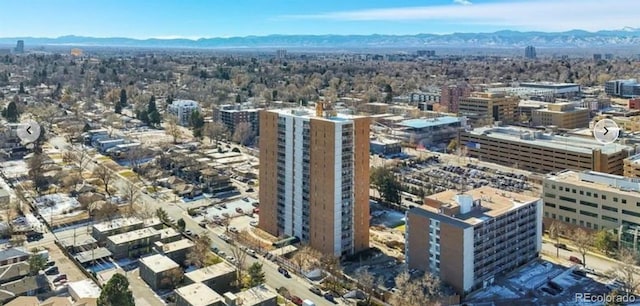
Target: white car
point(231, 259)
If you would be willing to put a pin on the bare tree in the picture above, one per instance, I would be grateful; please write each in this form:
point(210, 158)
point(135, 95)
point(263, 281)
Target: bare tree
point(81, 158)
point(241, 260)
point(105, 211)
point(134, 156)
point(307, 258)
point(424, 291)
point(172, 128)
point(132, 194)
point(555, 229)
point(626, 270)
point(243, 133)
point(200, 252)
point(105, 176)
point(215, 131)
point(367, 283)
point(172, 278)
point(583, 242)
point(331, 265)
point(36, 166)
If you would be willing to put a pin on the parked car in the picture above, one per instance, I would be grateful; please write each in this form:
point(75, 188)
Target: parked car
point(329, 297)
point(561, 246)
point(249, 189)
point(296, 300)
point(203, 224)
point(233, 229)
point(60, 277)
point(252, 253)
point(253, 223)
point(52, 271)
point(231, 259)
point(239, 210)
point(575, 259)
point(316, 290)
point(50, 264)
point(215, 250)
point(284, 272)
point(188, 232)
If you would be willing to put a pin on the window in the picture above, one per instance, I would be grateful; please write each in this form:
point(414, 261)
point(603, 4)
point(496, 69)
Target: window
point(553, 216)
point(581, 223)
point(615, 199)
point(573, 191)
point(550, 195)
point(604, 197)
point(588, 193)
point(587, 203)
point(610, 219)
point(581, 192)
point(630, 213)
point(566, 219)
point(548, 204)
point(553, 187)
point(567, 199)
point(567, 209)
point(609, 208)
point(595, 195)
point(589, 224)
point(595, 226)
point(588, 213)
point(624, 201)
point(546, 214)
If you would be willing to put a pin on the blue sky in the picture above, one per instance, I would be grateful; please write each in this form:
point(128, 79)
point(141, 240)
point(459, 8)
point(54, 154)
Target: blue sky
point(226, 18)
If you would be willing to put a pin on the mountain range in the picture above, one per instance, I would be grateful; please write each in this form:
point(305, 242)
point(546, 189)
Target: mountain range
point(626, 37)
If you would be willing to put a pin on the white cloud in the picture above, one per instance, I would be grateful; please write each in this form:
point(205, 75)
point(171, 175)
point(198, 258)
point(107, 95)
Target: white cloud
point(543, 15)
point(462, 2)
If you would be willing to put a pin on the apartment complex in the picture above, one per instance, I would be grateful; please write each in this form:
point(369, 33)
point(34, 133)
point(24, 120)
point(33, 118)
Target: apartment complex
point(494, 106)
point(468, 238)
point(541, 152)
point(314, 178)
point(232, 115)
point(132, 244)
point(562, 115)
point(592, 200)
point(450, 96)
point(155, 268)
point(183, 109)
point(530, 52)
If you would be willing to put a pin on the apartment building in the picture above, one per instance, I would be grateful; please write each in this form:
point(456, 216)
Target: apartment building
point(183, 109)
point(100, 231)
point(219, 277)
point(175, 250)
point(469, 238)
point(530, 52)
point(495, 106)
point(155, 268)
point(541, 152)
point(197, 294)
point(450, 96)
point(132, 244)
point(561, 115)
point(314, 178)
point(232, 115)
point(592, 200)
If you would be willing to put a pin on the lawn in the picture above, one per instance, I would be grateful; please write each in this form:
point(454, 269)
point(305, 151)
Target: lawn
point(128, 174)
point(400, 228)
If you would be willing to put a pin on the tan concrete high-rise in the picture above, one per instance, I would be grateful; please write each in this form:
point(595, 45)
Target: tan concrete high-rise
point(562, 115)
point(482, 106)
point(314, 178)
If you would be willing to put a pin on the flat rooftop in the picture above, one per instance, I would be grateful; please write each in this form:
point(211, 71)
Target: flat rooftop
point(133, 235)
point(87, 256)
point(168, 233)
point(116, 224)
point(305, 112)
point(85, 289)
point(569, 143)
point(177, 245)
point(158, 263)
point(198, 294)
point(494, 203)
point(599, 181)
point(431, 122)
point(256, 295)
point(210, 272)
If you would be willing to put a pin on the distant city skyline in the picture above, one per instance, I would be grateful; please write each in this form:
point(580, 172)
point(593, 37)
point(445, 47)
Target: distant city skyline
point(193, 19)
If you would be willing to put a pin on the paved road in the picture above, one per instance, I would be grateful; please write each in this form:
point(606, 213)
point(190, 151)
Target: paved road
point(295, 285)
point(597, 263)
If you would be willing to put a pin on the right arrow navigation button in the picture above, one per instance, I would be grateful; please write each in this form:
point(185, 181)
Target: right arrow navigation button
point(606, 131)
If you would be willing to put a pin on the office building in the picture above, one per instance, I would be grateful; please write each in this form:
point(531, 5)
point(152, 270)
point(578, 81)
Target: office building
point(281, 54)
point(622, 88)
point(634, 104)
point(183, 109)
point(20, 47)
point(485, 106)
point(232, 115)
point(537, 151)
point(557, 89)
point(592, 200)
point(450, 96)
point(561, 115)
point(530, 52)
point(426, 53)
point(314, 178)
point(156, 268)
point(597, 56)
point(467, 239)
point(132, 244)
point(219, 277)
point(632, 166)
point(429, 132)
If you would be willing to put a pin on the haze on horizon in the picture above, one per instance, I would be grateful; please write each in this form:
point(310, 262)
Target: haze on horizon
point(194, 19)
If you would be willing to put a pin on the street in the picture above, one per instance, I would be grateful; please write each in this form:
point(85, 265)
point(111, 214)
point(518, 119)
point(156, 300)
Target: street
point(296, 285)
point(597, 263)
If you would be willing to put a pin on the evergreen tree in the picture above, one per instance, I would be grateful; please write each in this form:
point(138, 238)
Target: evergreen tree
point(118, 108)
point(11, 112)
point(116, 292)
point(123, 98)
point(86, 128)
point(21, 90)
point(256, 275)
point(238, 99)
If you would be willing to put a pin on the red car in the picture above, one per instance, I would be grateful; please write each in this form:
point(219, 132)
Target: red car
point(296, 300)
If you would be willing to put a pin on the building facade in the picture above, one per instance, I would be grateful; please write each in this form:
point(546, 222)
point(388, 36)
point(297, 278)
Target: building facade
point(183, 109)
point(530, 52)
point(155, 268)
point(467, 239)
point(592, 200)
point(622, 88)
point(132, 244)
point(450, 96)
point(536, 151)
point(489, 106)
point(314, 178)
point(561, 115)
point(232, 115)
point(20, 47)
